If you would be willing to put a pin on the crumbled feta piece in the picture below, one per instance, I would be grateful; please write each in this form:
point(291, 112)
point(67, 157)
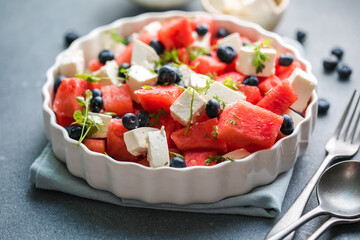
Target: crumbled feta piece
point(108, 73)
point(181, 108)
point(233, 40)
point(237, 154)
point(244, 63)
point(193, 79)
point(72, 63)
point(139, 76)
point(153, 27)
point(202, 41)
point(303, 85)
point(218, 90)
point(297, 118)
point(104, 121)
point(136, 140)
point(143, 55)
point(158, 151)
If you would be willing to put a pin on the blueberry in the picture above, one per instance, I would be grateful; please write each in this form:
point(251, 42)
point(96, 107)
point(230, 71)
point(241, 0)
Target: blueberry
point(226, 53)
point(116, 117)
point(96, 93)
point(68, 128)
point(301, 36)
point(123, 66)
point(330, 63)
point(246, 43)
point(70, 37)
point(144, 118)
point(75, 132)
point(212, 108)
point(96, 104)
point(167, 75)
point(222, 32)
point(286, 59)
point(344, 72)
point(338, 52)
point(176, 69)
point(106, 55)
point(177, 162)
point(251, 81)
point(323, 106)
point(130, 121)
point(57, 83)
point(201, 29)
point(287, 126)
point(157, 46)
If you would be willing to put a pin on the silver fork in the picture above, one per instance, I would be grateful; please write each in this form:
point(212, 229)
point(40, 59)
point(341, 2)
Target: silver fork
point(342, 144)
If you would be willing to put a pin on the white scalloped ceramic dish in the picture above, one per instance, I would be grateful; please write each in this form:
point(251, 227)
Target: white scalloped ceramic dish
point(171, 185)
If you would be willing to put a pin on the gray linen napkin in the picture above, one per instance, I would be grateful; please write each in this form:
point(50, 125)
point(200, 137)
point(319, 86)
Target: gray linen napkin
point(47, 172)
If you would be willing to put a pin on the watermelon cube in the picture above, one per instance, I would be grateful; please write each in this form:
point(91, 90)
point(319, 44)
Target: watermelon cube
point(268, 83)
point(200, 137)
point(203, 20)
point(158, 97)
point(249, 126)
point(284, 72)
point(94, 65)
point(252, 93)
point(96, 145)
point(206, 64)
point(65, 103)
point(176, 33)
point(170, 126)
point(198, 158)
point(116, 146)
point(117, 99)
point(235, 76)
point(279, 99)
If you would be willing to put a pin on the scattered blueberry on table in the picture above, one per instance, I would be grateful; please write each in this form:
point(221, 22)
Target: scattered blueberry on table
point(323, 106)
point(106, 55)
point(344, 72)
point(301, 36)
point(70, 37)
point(338, 52)
point(330, 63)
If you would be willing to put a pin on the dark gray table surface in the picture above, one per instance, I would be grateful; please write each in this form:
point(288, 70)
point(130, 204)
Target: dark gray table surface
point(32, 35)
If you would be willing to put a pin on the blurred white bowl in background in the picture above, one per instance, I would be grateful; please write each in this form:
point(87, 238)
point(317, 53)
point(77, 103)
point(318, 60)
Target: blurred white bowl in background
point(160, 4)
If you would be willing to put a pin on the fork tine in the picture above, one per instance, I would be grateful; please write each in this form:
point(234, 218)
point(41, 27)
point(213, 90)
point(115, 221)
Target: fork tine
point(342, 120)
point(352, 138)
point(350, 121)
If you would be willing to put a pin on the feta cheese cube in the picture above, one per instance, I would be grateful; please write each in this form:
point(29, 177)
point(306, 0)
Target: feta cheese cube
point(303, 85)
point(237, 154)
point(104, 121)
point(143, 55)
point(193, 79)
point(153, 27)
point(233, 40)
point(297, 118)
point(136, 140)
point(181, 108)
point(108, 73)
point(72, 63)
point(118, 48)
point(244, 63)
point(229, 96)
point(139, 76)
point(202, 41)
point(158, 151)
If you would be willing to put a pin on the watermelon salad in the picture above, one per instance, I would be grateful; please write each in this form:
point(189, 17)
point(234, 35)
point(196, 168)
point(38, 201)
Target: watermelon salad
point(181, 93)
